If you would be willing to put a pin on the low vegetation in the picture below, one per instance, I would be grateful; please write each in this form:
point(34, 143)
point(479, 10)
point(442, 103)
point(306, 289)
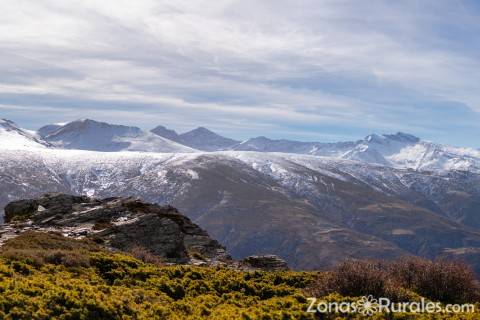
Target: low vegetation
point(47, 276)
point(404, 279)
point(95, 284)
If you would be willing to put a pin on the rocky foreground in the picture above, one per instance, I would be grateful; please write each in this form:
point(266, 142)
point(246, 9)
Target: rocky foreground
point(125, 224)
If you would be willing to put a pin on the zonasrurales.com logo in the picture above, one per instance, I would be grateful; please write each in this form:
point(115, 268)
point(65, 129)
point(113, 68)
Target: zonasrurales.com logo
point(368, 306)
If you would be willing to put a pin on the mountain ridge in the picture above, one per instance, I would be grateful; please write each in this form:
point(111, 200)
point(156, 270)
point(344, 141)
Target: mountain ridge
point(284, 204)
point(86, 134)
point(14, 137)
point(200, 138)
point(400, 150)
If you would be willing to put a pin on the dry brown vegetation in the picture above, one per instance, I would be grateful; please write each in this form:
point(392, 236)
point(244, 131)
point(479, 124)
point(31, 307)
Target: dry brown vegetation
point(400, 280)
point(146, 256)
point(38, 248)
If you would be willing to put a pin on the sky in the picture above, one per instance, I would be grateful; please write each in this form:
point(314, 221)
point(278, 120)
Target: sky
point(312, 70)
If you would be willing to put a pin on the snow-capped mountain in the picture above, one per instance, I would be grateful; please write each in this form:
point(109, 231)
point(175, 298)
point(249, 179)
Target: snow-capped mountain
point(13, 137)
point(314, 204)
point(406, 151)
point(399, 150)
point(100, 136)
point(313, 211)
point(200, 138)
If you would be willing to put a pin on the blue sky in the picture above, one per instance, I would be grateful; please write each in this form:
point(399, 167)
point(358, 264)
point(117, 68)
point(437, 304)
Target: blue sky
point(305, 69)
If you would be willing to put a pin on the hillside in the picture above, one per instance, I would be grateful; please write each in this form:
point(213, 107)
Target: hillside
point(13, 137)
point(309, 210)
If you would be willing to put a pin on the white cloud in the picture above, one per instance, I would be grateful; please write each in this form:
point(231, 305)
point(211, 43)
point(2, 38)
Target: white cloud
point(279, 63)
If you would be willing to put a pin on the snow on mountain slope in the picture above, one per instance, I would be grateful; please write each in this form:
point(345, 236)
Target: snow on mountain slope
point(396, 150)
point(14, 138)
point(99, 136)
point(406, 151)
point(255, 202)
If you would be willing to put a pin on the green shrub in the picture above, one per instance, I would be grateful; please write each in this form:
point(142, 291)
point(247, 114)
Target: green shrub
point(119, 286)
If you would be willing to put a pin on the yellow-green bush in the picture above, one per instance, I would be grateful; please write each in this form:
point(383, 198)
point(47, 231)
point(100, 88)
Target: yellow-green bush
point(116, 286)
point(119, 286)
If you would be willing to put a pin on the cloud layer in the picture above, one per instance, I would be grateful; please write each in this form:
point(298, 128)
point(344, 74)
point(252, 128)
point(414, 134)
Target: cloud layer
point(314, 70)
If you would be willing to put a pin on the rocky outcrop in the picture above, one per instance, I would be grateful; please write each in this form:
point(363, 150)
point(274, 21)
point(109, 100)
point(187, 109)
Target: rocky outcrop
point(265, 262)
point(57, 204)
point(116, 223)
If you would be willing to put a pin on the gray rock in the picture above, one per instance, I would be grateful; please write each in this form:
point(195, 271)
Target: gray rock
point(265, 262)
point(118, 223)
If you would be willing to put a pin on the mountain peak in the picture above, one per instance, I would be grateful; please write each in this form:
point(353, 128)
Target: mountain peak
point(399, 136)
point(262, 138)
point(87, 134)
point(164, 132)
point(201, 130)
point(375, 138)
point(204, 139)
point(91, 122)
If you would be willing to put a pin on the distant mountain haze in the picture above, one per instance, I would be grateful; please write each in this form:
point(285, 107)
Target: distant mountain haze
point(100, 136)
point(400, 150)
point(166, 133)
point(48, 129)
point(200, 138)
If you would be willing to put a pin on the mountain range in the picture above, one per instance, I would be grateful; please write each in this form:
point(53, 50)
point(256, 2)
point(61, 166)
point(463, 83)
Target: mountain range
point(398, 150)
point(200, 139)
point(313, 204)
point(100, 136)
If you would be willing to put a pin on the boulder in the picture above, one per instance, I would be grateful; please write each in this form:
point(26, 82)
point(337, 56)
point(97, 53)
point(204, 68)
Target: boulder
point(265, 262)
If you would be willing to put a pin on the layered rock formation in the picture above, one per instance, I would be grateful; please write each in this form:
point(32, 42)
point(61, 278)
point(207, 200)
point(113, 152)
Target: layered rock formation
point(116, 223)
